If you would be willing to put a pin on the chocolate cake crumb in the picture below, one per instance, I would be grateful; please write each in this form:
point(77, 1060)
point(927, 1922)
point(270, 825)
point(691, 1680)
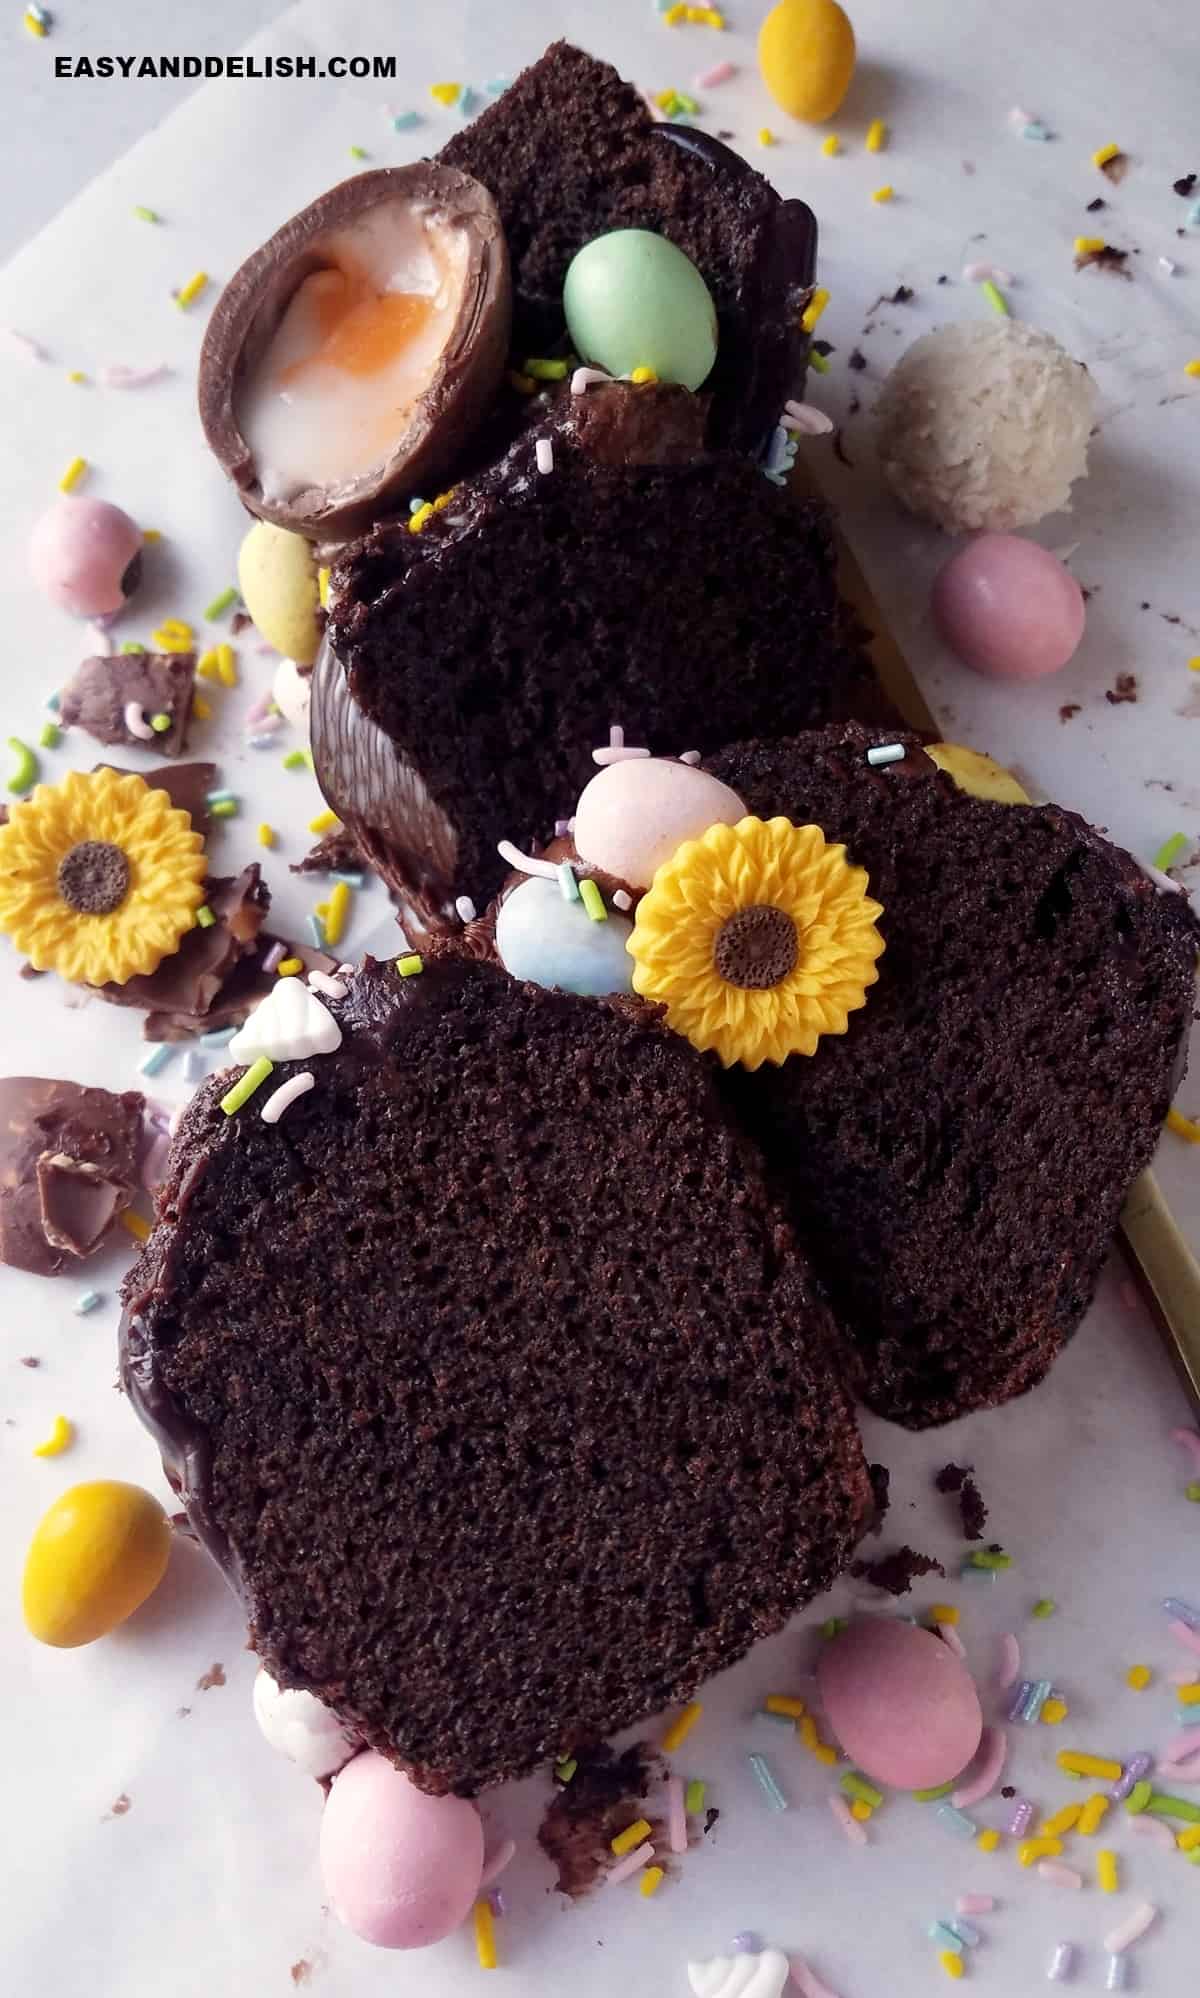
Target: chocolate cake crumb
point(119, 1807)
point(336, 852)
point(1106, 258)
point(903, 295)
point(1094, 207)
point(301, 1971)
point(1126, 689)
point(1185, 185)
point(957, 1479)
point(857, 361)
point(603, 1798)
point(896, 1572)
point(1068, 710)
point(1116, 168)
point(943, 279)
point(215, 1676)
point(28, 1360)
point(710, 1818)
point(881, 1481)
point(1008, 1791)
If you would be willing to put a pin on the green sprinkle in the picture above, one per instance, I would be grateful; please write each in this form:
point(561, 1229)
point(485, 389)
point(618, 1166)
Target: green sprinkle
point(242, 1091)
point(563, 1771)
point(818, 361)
point(986, 1559)
point(220, 605)
point(593, 900)
point(546, 371)
point(995, 298)
point(1160, 1805)
point(50, 737)
point(1139, 1797)
point(146, 214)
point(408, 967)
point(833, 1626)
point(1169, 851)
point(358, 152)
point(205, 917)
point(225, 808)
point(857, 1786)
point(694, 1795)
point(931, 1796)
point(27, 770)
point(294, 760)
point(131, 645)
point(685, 103)
point(160, 723)
point(1192, 1491)
point(1046, 1607)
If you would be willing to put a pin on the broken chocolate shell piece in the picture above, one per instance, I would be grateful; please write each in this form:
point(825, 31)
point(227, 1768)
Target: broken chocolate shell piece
point(142, 698)
point(182, 995)
point(68, 1167)
point(351, 358)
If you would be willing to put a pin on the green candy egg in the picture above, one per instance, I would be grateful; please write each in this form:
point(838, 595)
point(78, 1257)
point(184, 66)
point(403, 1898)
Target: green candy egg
point(634, 300)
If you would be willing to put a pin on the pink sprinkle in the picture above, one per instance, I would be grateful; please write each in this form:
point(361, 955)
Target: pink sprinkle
point(120, 377)
point(1188, 1440)
point(980, 273)
point(101, 640)
point(1182, 1748)
point(622, 899)
point(282, 1098)
point(176, 1119)
point(617, 754)
point(1130, 1931)
point(1183, 1635)
point(676, 1816)
point(807, 1981)
point(1154, 1828)
point(720, 72)
point(989, 1762)
point(855, 1832)
point(632, 1863)
point(975, 1904)
point(260, 711)
point(691, 756)
point(135, 721)
point(1178, 1772)
point(583, 378)
point(1008, 1670)
point(28, 347)
point(950, 1636)
point(808, 421)
point(1181, 1675)
point(494, 1863)
point(274, 957)
point(1059, 1875)
point(269, 725)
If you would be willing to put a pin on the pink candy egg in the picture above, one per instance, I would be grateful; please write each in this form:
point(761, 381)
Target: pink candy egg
point(80, 554)
point(401, 1869)
point(634, 814)
point(903, 1707)
point(1008, 609)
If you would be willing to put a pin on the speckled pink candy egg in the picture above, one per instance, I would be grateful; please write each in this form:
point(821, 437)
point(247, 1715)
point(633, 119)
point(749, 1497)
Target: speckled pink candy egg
point(903, 1707)
point(1008, 609)
point(81, 556)
point(634, 814)
point(401, 1869)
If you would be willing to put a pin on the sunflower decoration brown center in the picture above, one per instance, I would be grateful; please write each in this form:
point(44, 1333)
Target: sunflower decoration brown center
point(93, 877)
point(757, 947)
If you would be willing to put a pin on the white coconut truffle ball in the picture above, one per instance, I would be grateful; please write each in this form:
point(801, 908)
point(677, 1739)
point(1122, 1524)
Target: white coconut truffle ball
point(985, 425)
point(301, 1727)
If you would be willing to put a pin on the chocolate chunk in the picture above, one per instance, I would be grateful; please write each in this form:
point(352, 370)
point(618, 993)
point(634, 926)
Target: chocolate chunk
point(68, 1166)
point(881, 1482)
point(1184, 186)
point(155, 683)
point(1116, 168)
point(903, 295)
point(336, 852)
point(1094, 207)
point(182, 995)
point(898, 1571)
point(857, 360)
point(1106, 258)
point(1126, 689)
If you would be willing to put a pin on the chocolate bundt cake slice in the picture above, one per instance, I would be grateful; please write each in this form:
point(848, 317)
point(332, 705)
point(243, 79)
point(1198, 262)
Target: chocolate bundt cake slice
point(491, 1373)
point(956, 1162)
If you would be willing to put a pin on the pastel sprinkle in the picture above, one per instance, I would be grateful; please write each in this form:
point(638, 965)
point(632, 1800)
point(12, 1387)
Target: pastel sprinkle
point(543, 454)
point(651, 1881)
point(1008, 1668)
point(289, 967)
point(1116, 1975)
point(814, 309)
point(766, 136)
point(1062, 1964)
point(877, 133)
point(192, 290)
point(995, 298)
point(592, 900)
point(316, 931)
point(1107, 1872)
point(1059, 1876)
point(1087, 246)
point(445, 93)
point(1139, 1797)
point(563, 1771)
point(1131, 1930)
point(694, 1795)
point(632, 1835)
point(941, 1932)
point(160, 724)
point(1182, 1612)
point(818, 361)
point(1021, 1818)
point(1138, 1677)
point(941, 1612)
point(409, 966)
point(220, 604)
point(71, 477)
point(156, 1058)
point(1105, 154)
point(266, 834)
point(146, 214)
point(1054, 1711)
point(220, 1037)
point(1046, 1607)
point(629, 1865)
point(1192, 367)
point(1169, 852)
point(88, 1300)
point(1062, 1821)
point(1093, 1814)
point(1076, 1764)
point(358, 152)
point(403, 121)
point(952, 1963)
point(857, 1786)
point(881, 194)
point(831, 146)
point(932, 1796)
point(244, 1089)
point(61, 1437)
point(676, 1815)
point(855, 1832)
point(1033, 1849)
point(785, 1703)
point(764, 1776)
point(975, 1904)
point(287, 1093)
point(135, 1225)
point(485, 1935)
point(50, 736)
point(956, 1821)
point(721, 72)
point(988, 1839)
point(1160, 1805)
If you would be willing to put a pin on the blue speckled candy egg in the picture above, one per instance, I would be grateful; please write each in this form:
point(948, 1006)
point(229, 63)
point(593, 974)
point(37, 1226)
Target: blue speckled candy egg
point(634, 300)
point(550, 941)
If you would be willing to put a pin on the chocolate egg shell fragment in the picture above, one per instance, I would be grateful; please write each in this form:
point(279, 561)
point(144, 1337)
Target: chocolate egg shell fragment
point(350, 358)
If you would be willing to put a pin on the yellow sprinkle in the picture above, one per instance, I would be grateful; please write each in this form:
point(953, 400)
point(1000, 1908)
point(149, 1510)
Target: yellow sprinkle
point(988, 1840)
point(1106, 1871)
point(885, 193)
point(651, 1881)
point(322, 910)
point(674, 15)
point(861, 1810)
point(1191, 367)
point(485, 1936)
point(61, 1437)
point(1099, 1766)
point(524, 384)
point(416, 521)
point(324, 822)
point(1194, 664)
point(766, 136)
point(445, 93)
point(1139, 1677)
point(71, 477)
point(178, 627)
point(266, 834)
point(681, 1727)
point(1188, 1839)
point(1085, 246)
point(1183, 1127)
point(1062, 1821)
point(1038, 1848)
point(951, 1963)
point(337, 911)
point(813, 310)
point(877, 133)
point(807, 1730)
point(169, 638)
point(642, 376)
point(443, 500)
point(35, 27)
point(784, 1703)
point(1054, 1711)
point(1105, 154)
point(1092, 1814)
point(1189, 1696)
point(150, 535)
point(192, 289)
point(206, 665)
point(76, 375)
point(290, 967)
point(831, 146)
point(139, 1229)
point(200, 708)
point(323, 588)
point(227, 672)
point(943, 1613)
point(632, 1835)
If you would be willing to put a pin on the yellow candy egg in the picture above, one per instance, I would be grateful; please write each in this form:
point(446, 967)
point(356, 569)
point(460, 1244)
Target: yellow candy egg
point(806, 55)
point(977, 773)
point(277, 576)
point(94, 1558)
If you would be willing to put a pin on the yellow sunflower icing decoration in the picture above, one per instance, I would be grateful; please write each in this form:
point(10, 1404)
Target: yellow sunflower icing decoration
point(100, 877)
point(758, 938)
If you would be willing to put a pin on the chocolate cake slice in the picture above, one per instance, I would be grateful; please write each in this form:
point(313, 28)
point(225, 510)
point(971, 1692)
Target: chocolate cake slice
point(571, 151)
point(472, 667)
point(500, 1452)
point(956, 1163)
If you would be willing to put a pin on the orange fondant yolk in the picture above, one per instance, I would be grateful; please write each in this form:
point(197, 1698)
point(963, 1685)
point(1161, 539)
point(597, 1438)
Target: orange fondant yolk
point(358, 331)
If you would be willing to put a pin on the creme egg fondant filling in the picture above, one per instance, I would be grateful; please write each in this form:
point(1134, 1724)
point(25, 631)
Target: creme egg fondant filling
point(356, 348)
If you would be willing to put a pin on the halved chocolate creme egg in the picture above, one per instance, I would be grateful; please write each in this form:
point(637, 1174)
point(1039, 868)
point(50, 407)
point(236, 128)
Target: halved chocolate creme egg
point(349, 360)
